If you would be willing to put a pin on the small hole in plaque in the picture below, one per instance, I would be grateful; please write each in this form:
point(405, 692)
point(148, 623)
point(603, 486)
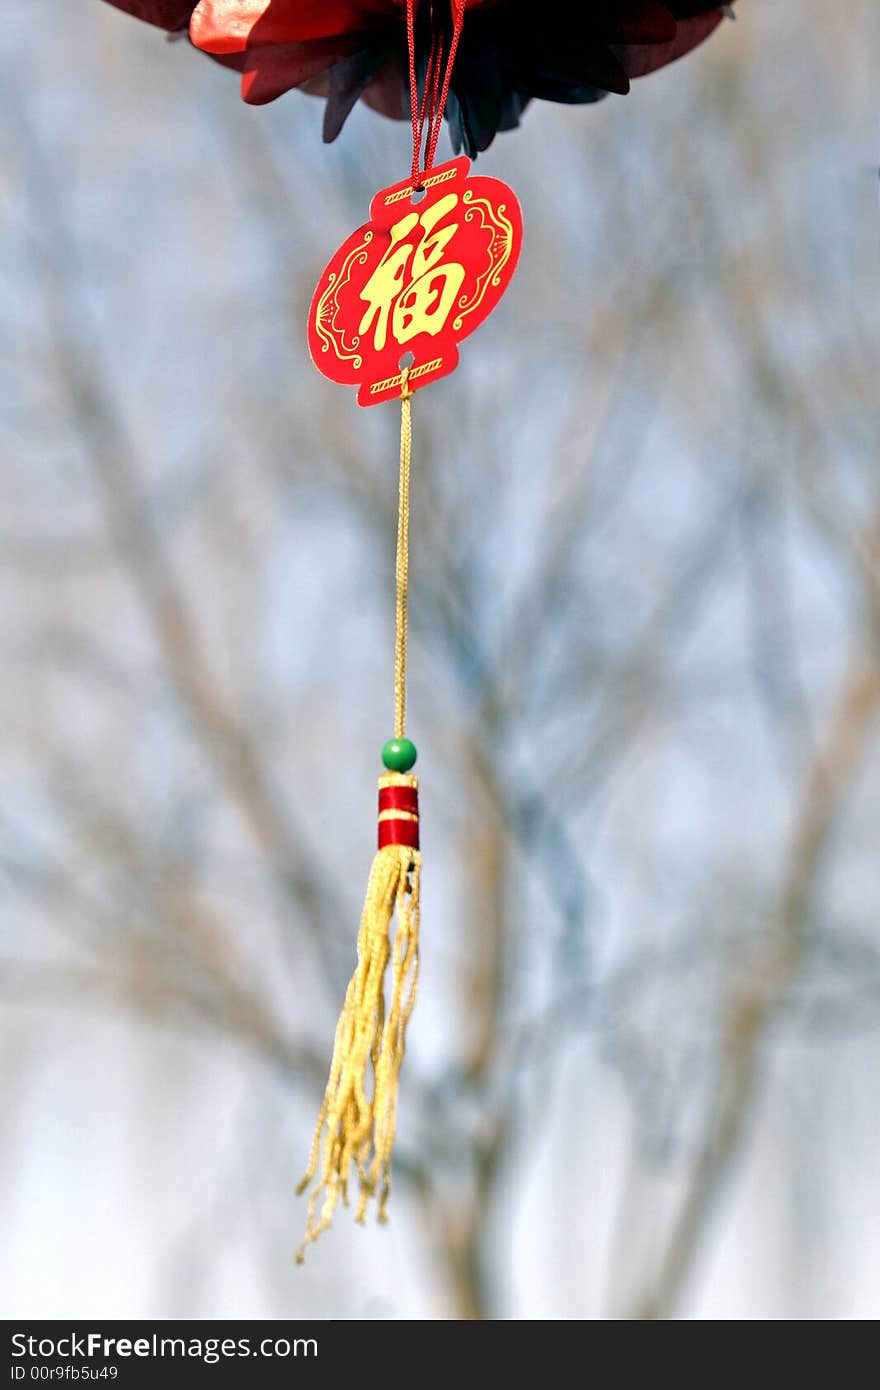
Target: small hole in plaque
point(417, 195)
point(407, 360)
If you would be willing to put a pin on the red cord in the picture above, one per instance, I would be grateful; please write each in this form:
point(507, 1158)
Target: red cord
point(457, 25)
point(433, 103)
point(413, 87)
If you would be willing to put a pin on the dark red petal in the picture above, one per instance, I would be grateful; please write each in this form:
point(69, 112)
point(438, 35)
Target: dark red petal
point(388, 93)
point(348, 82)
point(270, 72)
point(167, 14)
point(630, 21)
point(640, 59)
point(584, 63)
point(230, 26)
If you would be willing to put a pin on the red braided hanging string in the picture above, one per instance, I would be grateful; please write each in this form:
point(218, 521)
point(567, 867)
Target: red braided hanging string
point(432, 77)
point(457, 24)
point(414, 89)
point(433, 102)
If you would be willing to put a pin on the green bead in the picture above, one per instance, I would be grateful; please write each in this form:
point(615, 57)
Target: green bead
point(399, 755)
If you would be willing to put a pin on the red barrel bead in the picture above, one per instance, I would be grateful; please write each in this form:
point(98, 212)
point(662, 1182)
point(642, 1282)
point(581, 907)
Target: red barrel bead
point(400, 829)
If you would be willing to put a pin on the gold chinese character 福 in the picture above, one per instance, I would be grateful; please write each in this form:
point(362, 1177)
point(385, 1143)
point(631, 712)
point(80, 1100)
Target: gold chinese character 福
point(411, 286)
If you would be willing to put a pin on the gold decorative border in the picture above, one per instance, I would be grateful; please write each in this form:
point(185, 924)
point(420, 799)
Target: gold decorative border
point(500, 250)
point(328, 307)
point(415, 373)
point(430, 182)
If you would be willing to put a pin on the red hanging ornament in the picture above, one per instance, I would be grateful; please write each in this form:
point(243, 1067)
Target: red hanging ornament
point(417, 278)
point(432, 262)
point(429, 266)
point(512, 53)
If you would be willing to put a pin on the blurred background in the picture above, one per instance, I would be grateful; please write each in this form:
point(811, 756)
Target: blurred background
point(645, 686)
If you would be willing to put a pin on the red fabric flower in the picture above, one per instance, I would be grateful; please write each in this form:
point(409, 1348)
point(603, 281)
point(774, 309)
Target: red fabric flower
point(511, 52)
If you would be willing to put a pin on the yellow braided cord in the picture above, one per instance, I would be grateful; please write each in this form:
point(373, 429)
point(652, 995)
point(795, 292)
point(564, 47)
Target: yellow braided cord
point(355, 1128)
point(352, 1127)
point(402, 568)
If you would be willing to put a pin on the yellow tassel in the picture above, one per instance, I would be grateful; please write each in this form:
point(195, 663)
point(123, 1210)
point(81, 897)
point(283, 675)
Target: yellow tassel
point(358, 1128)
point(354, 1126)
